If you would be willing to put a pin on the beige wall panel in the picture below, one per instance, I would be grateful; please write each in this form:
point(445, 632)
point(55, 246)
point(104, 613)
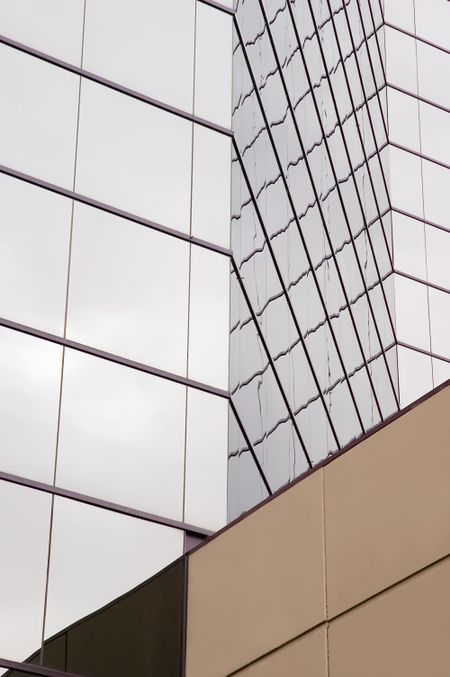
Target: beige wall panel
point(404, 632)
point(387, 504)
point(258, 584)
point(306, 656)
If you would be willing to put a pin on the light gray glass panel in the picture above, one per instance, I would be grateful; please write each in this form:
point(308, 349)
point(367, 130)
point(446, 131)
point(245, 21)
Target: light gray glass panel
point(34, 250)
point(212, 98)
point(211, 186)
point(206, 460)
point(97, 555)
point(409, 245)
point(147, 45)
point(209, 317)
point(436, 189)
point(433, 70)
point(438, 256)
point(134, 156)
point(405, 181)
point(121, 435)
point(38, 117)
point(30, 373)
point(51, 26)
point(399, 13)
point(415, 375)
point(441, 372)
point(432, 21)
point(128, 290)
point(435, 132)
point(403, 117)
point(411, 312)
point(24, 532)
point(440, 322)
point(401, 67)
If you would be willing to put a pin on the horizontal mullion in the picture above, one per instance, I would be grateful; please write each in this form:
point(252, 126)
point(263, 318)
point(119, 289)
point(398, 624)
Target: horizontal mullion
point(417, 37)
point(87, 75)
point(114, 211)
point(100, 503)
point(111, 357)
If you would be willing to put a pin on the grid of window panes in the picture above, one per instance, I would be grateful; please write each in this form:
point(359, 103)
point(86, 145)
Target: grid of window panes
point(321, 290)
point(115, 150)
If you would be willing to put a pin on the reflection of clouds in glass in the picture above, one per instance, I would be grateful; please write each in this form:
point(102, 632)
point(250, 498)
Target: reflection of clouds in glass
point(122, 435)
point(38, 126)
point(157, 46)
point(98, 555)
point(24, 531)
point(128, 290)
point(34, 234)
point(30, 372)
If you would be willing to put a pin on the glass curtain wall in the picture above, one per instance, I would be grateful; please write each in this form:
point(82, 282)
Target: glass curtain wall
point(340, 281)
point(115, 151)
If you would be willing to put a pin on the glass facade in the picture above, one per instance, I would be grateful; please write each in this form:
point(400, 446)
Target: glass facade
point(115, 159)
point(224, 255)
point(341, 284)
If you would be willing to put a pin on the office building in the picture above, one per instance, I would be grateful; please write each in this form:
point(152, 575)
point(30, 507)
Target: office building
point(224, 253)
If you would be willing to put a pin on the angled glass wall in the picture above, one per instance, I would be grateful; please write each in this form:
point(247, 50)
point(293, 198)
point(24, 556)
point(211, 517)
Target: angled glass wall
point(115, 155)
point(339, 225)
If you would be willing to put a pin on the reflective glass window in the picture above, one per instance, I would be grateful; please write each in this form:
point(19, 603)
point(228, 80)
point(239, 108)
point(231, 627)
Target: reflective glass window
point(147, 45)
point(400, 59)
point(24, 533)
point(134, 156)
point(206, 460)
point(34, 250)
point(212, 98)
point(97, 555)
point(400, 13)
point(121, 435)
point(403, 117)
point(436, 189)
point(128, 289)
point(441, 372)
point(211, 186)
point(409, 245)
point(30, 374)
point(411, 312)
point(433, 70)
point(415, 376)
point(405, 181)
point(438, 256)
point(38, 117)
point(51, 26)
point(440, 322)
point(209, 317)
point(435, 132)
point(432, 20)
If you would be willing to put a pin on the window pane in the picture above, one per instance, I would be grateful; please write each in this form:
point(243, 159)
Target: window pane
point(121, 435)
point(128, 290)
point(30, 373)
point(38, 115)
point(436, 188)
point(400, 13)
point(409, 245)
point(438, 256)
point(156, 54)
point(435, 132)
point(97, 555)
point(134, 156)
point(415, 375)
point(400, 59)
point(411, 312)
point(213, 65)
point(34, 250)
point(434, 70)
point(441, 372)
point(440, 322)
point(405, 181)
point(432, 20)
point(24, 531)
point(51, 26)
point(209, 317)
point(206, 460)
point(211, 188)
point(403, 116)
